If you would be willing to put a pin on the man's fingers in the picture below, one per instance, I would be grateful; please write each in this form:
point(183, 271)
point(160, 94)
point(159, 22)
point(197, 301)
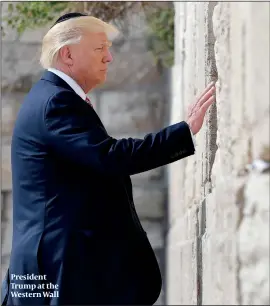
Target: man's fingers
point(206, 96)
point(206, 105)
point(206, 90)
point(206, 99)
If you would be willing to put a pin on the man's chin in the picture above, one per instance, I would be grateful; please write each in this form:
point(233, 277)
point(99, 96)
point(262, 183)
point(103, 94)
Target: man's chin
point(102, 79)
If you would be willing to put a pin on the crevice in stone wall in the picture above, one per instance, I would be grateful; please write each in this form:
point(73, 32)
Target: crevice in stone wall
point(211, 146)
point(211, 75)
point(200, 231)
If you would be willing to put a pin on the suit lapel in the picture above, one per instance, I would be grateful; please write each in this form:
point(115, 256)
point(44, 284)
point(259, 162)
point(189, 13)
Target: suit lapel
point(55, 79)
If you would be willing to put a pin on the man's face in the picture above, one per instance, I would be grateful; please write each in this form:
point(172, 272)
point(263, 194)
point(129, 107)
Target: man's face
point(90, 59)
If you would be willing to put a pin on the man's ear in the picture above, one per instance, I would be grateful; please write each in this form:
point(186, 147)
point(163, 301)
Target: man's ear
point(65, 55)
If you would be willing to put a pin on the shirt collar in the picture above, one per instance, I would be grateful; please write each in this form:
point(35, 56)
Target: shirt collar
point(74, 85)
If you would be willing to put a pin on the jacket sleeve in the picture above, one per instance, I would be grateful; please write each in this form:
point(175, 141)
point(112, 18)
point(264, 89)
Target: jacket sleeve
point(73, 134)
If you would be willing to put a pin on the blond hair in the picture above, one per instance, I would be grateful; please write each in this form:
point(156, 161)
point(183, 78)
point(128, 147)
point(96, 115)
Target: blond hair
point(70, 32)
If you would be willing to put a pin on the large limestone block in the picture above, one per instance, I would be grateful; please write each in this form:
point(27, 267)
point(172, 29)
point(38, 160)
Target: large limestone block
point(19, 72)
point(217, 249)
point(132, 64)
point(6, 168)
point(188, 270)
point(219, 269)
point(185, 228)
point(253, 242)
point(6, 230)
point(10, 104)
point(154, 230)
point(181, 274)
point(173, 275)
point(125, 112)
point(176, 191)
point(153, 175)
point(149, 201)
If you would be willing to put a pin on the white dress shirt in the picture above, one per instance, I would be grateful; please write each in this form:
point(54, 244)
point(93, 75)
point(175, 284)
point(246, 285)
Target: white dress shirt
point(73, 84)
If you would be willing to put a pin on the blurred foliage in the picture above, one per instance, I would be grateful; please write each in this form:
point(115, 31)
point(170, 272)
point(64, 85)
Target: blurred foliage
point(160, 18)
point(161, 43)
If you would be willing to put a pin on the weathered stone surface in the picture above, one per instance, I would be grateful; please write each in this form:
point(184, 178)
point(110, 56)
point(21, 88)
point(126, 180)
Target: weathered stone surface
point(6, 230)
point(149, 202)
point(227, 205)
point(132, 111)
point(175, 194)
point(10, 105)
point(6, 168)
point(8, 120)
point(173, 274)
point(254, 242)
point(154, 230)
point(216, 251)
point(156, 174)
point(19, 72)
point(33, 36)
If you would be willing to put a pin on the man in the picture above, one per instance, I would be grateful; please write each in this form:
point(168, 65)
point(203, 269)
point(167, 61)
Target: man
point(77, 239)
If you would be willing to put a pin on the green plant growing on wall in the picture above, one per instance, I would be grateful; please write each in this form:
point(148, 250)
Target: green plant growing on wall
point(32, 15)
point(161, 42)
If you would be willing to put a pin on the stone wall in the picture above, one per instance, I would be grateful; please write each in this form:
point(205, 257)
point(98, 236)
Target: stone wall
point(133, 102)
point(218, 236)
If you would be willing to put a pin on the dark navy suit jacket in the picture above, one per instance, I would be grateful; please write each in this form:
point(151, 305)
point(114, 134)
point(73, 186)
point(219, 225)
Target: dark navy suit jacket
point(74, 219)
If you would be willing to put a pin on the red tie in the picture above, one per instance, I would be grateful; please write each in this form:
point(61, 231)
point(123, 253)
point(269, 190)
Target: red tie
point(88, 101)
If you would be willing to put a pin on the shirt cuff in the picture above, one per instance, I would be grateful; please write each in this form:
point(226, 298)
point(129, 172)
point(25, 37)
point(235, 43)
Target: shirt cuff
point(193, 138)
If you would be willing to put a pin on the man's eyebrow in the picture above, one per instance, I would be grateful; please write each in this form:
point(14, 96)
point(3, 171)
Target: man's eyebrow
point(107, 43)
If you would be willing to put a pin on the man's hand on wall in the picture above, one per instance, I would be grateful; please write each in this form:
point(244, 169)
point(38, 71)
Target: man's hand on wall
point(197, 110)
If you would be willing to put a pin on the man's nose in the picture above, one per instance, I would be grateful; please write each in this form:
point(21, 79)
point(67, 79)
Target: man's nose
point(108, 58)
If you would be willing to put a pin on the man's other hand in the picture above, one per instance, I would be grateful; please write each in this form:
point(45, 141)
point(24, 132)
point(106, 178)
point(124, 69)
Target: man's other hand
point(197, 110)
